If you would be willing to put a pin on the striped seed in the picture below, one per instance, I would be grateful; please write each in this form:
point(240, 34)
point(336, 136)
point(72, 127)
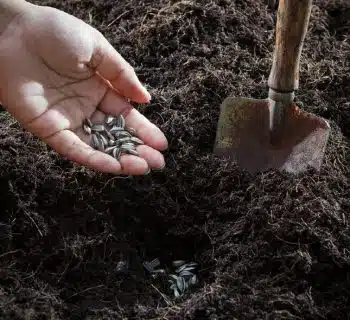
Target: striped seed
point(116, 129)
point(104, 140)
point(121, 121)
point(128, 145)
point(185, 273)
point(110, 120)
point(101, 146)
point(109, 135)
point(151, 265)
point(94, 141)
point(121, 134)
point(87, 122)
point(121, 140)
point(180, 283)
point(136, 140)
point(116, 153)
point(86, 129)
point(129, 150)
point(98, 128)
point(178, 263)
point(193, 280)
point(110, 150)
point(115, 139)
point(97, 142)
point(111, 142)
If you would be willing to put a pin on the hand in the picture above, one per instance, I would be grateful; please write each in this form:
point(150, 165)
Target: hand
point(56, 70)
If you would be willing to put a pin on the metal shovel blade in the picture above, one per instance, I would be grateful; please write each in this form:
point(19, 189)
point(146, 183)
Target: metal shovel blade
point(243, 135)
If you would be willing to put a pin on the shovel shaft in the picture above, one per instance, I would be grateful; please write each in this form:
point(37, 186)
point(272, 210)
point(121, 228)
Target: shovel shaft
point(292, 22)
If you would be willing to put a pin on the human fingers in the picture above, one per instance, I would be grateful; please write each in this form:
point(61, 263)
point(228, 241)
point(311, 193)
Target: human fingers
point(111, 66)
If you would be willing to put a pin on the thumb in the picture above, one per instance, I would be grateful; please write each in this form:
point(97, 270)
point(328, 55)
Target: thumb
point(111, 66)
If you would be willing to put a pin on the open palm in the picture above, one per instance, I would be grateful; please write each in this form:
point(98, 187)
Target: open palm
point(57, 71)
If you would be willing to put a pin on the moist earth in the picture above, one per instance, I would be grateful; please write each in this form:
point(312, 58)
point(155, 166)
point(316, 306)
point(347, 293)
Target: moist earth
point(268, 246)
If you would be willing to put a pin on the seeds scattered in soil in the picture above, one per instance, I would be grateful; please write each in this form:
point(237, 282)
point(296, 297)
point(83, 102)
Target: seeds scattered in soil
point(112, 136)
point(183, 278)
point(150, 266)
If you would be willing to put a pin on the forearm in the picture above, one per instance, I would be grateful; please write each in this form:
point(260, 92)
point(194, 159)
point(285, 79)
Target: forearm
point(9, 9)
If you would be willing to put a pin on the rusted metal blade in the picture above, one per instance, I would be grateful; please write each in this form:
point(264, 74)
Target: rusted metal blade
point(243, 134)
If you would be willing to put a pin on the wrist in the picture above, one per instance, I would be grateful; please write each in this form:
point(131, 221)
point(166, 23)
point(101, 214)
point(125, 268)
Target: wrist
point(9, 9)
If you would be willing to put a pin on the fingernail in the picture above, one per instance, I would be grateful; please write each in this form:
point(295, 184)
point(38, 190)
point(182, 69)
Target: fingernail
point(160, 169)
point(147, 172)
point(149, 97)
point(146, 93)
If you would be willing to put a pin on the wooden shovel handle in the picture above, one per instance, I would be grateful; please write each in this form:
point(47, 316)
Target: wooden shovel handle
point(292, 22)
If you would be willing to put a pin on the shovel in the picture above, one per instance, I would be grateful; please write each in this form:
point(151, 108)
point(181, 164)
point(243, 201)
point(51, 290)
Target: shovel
point(274, 133)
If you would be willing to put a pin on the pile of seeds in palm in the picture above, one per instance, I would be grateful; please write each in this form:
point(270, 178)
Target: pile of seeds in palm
point(183, 278)
point(112, 136)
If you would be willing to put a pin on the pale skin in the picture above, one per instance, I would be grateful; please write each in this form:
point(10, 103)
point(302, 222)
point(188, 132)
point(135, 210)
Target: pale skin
point(57, 70)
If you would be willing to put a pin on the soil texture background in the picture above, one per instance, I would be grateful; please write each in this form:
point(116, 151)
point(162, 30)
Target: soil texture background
point(268, 246)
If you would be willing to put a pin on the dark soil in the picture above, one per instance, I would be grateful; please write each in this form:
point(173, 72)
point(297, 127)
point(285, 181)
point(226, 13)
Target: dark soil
point(269, 246)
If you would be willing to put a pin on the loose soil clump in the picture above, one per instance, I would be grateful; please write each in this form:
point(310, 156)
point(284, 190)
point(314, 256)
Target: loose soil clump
point(269, 246)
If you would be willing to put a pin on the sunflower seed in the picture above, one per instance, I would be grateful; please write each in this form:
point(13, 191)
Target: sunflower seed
point(95, 141)
point(127, 145)
point(121, 134)
point(174, 277)
point(151, 265)
point(112, 137)
point(189, 268)
point(110, 120)
point(186, 285)
point(126, 139)
point(182, 268)
point(180, 282)
point(155, 263)
point(185, 273)
point(192, 264)
point(116, 153)
point(109, 135)
point(98, 128)
point(104, 140)
point(176, 292)
point(129, 151)
point(100, 146)
point(159, 271)
point(193, 280)
point(121, 121)
point(115, 129)
point(109, 150)
point(87, 122)
point(186, 266)
point(87, 129)
point(178, 263)
point(136, 140)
